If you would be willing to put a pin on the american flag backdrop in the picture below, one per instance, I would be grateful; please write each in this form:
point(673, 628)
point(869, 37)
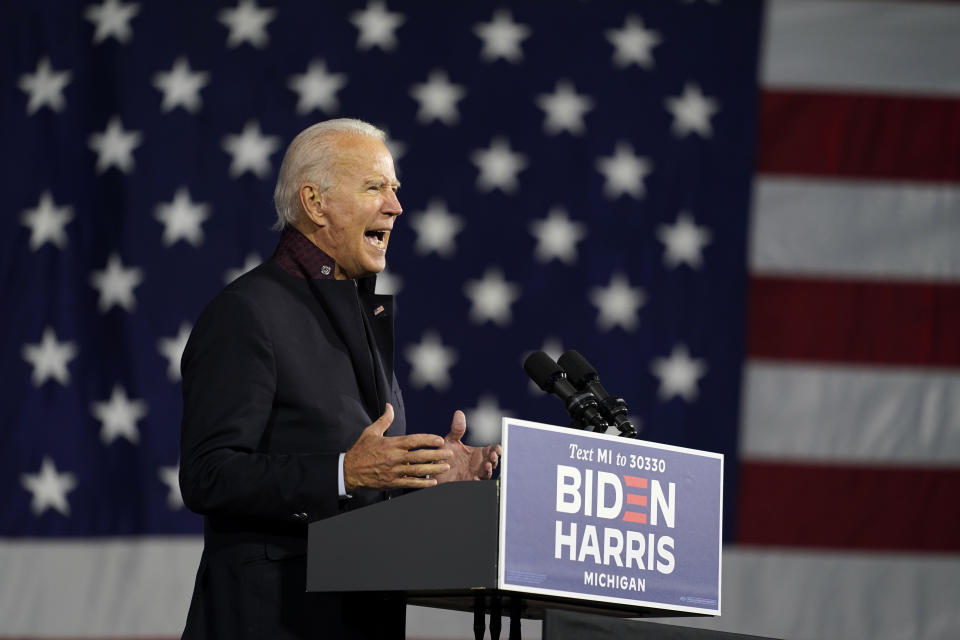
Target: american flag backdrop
point(745, 214)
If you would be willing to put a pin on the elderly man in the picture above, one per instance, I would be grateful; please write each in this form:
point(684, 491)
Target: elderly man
point(289, 394)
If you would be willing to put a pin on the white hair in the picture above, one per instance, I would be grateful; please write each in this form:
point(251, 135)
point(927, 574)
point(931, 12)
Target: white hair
point(310, 157)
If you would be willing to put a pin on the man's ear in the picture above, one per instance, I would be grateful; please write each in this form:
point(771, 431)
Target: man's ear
point(311, 202)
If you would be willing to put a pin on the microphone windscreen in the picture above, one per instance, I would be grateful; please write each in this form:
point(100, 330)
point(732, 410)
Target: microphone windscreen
point(542, 370)
point(579, 371)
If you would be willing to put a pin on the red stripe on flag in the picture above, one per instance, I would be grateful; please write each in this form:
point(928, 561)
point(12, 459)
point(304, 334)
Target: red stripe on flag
point(877, 508)
point(633, 516)
point(859, 135)
point(893, 323)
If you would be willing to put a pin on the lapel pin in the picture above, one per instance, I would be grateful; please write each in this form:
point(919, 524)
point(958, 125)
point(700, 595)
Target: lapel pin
point(378, 310)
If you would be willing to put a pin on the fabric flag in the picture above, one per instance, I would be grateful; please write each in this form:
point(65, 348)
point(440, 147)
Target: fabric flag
point(850, 429)
point(582, 177)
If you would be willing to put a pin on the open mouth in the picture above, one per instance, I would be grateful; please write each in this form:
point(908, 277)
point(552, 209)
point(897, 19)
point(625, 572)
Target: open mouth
point(377, 238)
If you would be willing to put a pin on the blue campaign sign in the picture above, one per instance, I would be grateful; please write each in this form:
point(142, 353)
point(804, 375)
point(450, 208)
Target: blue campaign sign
point(604, 518)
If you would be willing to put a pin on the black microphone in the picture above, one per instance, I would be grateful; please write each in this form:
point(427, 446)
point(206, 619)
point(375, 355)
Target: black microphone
point(584, 377)
point(548, 375)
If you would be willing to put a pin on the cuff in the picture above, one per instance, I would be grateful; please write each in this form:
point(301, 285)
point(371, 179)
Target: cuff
point(341, 487)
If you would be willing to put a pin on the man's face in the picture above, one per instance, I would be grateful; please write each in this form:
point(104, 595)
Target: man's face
point(361, 207)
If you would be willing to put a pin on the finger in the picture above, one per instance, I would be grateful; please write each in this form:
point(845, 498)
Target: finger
point(415, 440)
point(427, 455)
point(458, 426)
point(383, 422)
point(486, 471)
point(406, 482)
point(426, 469)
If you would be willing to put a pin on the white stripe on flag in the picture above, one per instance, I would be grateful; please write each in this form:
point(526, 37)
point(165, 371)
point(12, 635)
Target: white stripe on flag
point(855, 228)
point(142, 587)
point(800, 595)
point(117, 587)
point(819, 412)
point(890, 47)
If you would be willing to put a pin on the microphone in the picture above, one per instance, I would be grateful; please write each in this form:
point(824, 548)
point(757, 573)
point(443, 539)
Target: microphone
point(548, 375)
point(584, 377)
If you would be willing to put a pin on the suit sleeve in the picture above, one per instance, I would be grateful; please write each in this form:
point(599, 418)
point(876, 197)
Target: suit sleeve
point(229, 383)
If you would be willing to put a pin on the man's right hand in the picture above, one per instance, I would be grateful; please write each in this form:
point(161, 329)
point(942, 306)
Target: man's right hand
point(378, 462)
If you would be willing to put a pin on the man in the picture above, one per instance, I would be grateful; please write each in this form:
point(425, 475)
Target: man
point(289, 391)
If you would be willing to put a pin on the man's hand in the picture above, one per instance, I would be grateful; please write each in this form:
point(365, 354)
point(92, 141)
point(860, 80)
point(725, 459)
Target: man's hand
point(378, 462)
point(466, 462)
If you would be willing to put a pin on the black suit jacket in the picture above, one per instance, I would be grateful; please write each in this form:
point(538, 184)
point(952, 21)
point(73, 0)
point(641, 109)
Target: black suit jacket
point(280, 375)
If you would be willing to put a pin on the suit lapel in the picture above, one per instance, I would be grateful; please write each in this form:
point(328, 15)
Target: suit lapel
point(341, 305)
point(379, 313)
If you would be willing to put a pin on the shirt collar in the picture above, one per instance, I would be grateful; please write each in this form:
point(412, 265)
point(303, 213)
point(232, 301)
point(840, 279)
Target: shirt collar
point(299, 257)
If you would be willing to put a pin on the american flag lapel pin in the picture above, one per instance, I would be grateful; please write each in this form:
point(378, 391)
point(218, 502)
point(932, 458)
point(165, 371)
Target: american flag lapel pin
point(378, 310)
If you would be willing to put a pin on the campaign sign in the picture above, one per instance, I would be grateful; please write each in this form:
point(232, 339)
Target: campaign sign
point(604, 518)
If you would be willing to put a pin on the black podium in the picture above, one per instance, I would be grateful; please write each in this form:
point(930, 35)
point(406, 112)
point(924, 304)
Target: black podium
point(453, 529)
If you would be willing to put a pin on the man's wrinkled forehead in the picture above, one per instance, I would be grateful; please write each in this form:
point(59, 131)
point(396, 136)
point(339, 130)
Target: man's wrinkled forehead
point(365, 156)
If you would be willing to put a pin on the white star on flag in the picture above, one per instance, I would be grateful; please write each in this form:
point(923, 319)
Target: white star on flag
point(118, 416)
point(47, 222)
point(376, 26)
point(491, 296)
point(181, 86)
point(618, 303)
point(252, 260)
point(565, 109)
point(678, 374)
point(49, 358)
point(317, 88)
point(633, 43)
point(435, 229)
point(247, 23)
point(388, 283)
point(625, 172)
point(557, 236)
point(250, 150)
point(396, 148)
point(691, 111)
point(172, 350)
point(112, 20)
point(499, 166)
point(683, 241)
point(114, 147)
point(553, 347)
point(44, 87)
point(430, 362)
point(170, 476)
point(49, 488)
point(115, 284)
point(182, 219)
point(484, 421)
point(501, 37)
point(438, 98)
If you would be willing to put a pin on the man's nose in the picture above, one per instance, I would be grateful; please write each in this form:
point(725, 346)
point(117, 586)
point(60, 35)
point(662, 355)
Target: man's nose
point(391, 205)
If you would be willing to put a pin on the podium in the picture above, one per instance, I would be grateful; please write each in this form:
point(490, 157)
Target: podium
point(511, 546)
point(385, 547)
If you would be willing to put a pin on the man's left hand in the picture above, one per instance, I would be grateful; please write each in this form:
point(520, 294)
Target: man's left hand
point(467, 463)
